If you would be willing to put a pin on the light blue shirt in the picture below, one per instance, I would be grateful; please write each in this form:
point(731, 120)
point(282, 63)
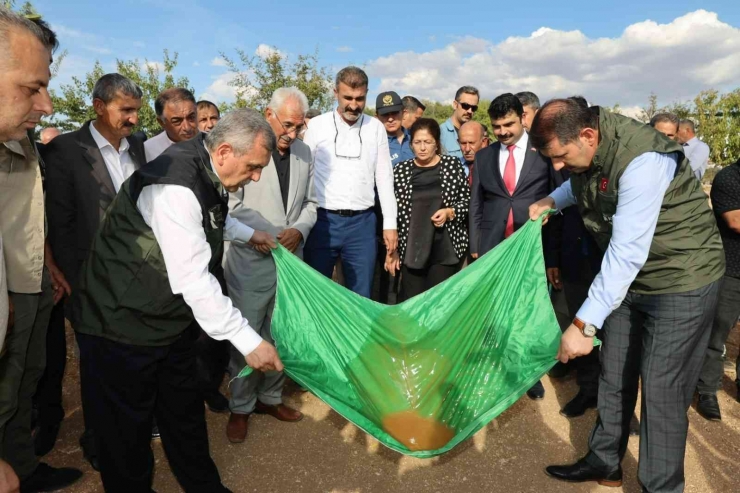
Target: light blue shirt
point(641, 189)
point(449, 139)
point(698, 154)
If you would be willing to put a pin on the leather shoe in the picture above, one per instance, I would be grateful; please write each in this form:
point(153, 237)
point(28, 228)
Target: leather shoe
point(280, 412)
point(708, 407)
point(45, 438)
point(237, 427)
point(634, 426)
point(89, 451)
point(582, 471)
point(47, 478)
point(537, 392)
point(578, 405)
point(216, 402)
point(560, 370)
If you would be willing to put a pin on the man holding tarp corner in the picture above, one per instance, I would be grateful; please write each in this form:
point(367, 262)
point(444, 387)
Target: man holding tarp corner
point(655, 296)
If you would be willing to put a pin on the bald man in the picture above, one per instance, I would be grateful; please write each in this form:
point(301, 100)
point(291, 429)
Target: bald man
point(472, 137)
point(48, 134)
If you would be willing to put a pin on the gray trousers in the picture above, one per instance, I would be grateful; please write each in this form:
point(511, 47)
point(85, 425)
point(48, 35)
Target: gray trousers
point(661, 339)
point(728, 310)
point(267, 387)
point(21, 369)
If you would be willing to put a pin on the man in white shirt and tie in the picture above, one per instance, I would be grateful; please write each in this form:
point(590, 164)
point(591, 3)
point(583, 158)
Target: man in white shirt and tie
point(178, 117)
point(351, 160)
point(696, 150)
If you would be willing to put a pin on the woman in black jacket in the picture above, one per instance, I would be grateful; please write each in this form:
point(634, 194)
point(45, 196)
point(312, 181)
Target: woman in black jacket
point(433, 197)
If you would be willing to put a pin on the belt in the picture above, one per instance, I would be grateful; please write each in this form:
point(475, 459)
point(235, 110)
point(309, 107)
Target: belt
point(346, 212)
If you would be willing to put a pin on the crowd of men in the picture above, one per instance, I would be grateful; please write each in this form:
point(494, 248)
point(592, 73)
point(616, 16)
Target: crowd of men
point(157, 250)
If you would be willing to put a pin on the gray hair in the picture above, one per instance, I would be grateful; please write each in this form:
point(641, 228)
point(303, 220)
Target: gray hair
point(466, 90)
point(241, 128)
point(528, 98)
point(282, 95)
point(688, 123)
point(664, 118)
point(109, 85)
point(9, 20)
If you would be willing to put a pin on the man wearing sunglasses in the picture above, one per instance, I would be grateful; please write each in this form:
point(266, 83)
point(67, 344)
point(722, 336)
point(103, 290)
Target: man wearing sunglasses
point(465, 106)
point(351, 159)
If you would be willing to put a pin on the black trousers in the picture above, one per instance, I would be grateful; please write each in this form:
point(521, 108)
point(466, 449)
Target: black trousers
point(385, 286)
point(725, 318)
point(416, 281)
point(129, 385)
point(587, 367)
point(212, 359)
point(49, 391)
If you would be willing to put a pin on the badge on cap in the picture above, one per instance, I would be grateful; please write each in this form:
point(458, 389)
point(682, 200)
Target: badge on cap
point(603, 184)
point(387, 100)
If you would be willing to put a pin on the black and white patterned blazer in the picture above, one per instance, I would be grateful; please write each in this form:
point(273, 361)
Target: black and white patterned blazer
point(455, 194)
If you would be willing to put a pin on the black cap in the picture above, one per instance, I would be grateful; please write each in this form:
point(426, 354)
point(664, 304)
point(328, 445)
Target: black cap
point(388, 102)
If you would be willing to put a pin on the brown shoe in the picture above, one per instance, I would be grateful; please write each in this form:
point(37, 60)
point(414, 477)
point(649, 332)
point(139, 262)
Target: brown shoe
point(281, 412)
point(236, 429)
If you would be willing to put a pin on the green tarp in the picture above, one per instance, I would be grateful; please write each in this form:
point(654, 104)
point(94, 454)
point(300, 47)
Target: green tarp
point(424, 375)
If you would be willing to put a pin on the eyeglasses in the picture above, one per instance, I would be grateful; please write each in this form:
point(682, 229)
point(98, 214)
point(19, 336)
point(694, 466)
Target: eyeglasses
point(467, 106)
point(359, 134)
point(290, 128)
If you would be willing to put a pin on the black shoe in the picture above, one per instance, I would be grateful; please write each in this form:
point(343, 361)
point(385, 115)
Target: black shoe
point(89, 451)
point(537, 392)
point(634, 426)
point(155, 431)
point(582, 471)
point(47, 478)
point(216, 402)
point(578, 405)
point(45, 438)
point(560, 370)
point(708, 407)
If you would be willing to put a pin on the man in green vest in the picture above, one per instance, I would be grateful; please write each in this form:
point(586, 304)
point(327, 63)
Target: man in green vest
point(653, 301)
point(144, 290)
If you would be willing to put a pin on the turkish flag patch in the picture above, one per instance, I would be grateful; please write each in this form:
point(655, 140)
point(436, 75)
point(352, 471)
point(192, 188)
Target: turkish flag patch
point(603, 184)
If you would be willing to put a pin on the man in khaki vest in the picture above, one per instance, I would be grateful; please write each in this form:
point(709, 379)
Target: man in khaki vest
point(653, 301)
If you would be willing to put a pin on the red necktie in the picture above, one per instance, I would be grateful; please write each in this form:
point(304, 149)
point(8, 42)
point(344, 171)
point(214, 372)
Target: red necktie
point(510, 182)
point(470, 173)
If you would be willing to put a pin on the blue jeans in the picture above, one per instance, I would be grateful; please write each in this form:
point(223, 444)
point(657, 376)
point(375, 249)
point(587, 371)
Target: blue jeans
point(351, 237)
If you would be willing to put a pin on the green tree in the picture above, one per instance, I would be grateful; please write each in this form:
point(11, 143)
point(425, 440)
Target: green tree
point(73, 104)
point(30, 11)
point(257, 77)
point(718, 120)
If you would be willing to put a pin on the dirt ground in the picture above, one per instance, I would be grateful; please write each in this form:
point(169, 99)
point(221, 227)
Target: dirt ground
point(325, 453)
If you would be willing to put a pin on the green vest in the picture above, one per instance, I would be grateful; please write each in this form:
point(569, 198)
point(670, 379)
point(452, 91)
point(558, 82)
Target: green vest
point(124, 292)
point(686, 251)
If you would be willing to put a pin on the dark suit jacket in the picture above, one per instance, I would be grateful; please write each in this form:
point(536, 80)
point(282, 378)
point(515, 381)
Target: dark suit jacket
point(491, 201)
point(571, 247)
point(79, 189)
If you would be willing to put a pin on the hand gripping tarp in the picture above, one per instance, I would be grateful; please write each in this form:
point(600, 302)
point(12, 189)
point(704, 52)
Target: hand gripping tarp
point(424, 375)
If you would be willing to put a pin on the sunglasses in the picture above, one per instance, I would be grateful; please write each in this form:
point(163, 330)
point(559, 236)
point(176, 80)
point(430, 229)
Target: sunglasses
point(467, 106)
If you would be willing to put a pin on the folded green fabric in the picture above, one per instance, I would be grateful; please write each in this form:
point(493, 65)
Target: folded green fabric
point(424, 375)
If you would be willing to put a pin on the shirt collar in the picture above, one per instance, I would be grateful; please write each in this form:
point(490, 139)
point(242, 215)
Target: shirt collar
point(15, 147)
point(448, 125)
point(522, 142)
point(103, 142)
point(339, 121)
point(406, 136)
point(692, 140)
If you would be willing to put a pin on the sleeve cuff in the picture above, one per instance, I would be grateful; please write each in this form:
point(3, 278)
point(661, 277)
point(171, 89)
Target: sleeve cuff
point(243, 233)
point(560, 197)
point(246, 340)
point(389, 223)
point(592, 313)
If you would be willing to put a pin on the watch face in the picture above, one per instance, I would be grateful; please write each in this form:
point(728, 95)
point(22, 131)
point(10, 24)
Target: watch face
point(589, 330)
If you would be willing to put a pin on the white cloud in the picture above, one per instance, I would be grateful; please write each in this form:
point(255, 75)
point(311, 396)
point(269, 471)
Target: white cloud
point(344, 49)
point(67, 32)
point(98, 49)
point(218, 62)
point(157, 65)
point(221, 90)
point(675, 60)
point(139, 44)
point(196, 64)
point(263, 51)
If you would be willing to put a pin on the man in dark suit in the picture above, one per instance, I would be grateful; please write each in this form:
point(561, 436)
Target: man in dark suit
point(85, 169)
point(507, 175)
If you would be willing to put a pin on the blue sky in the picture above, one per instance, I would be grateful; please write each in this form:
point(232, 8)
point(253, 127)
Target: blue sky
point(413, 46)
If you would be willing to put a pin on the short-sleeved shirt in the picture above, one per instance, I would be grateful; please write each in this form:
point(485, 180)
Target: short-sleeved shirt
point(725, 198)
point(400, 151)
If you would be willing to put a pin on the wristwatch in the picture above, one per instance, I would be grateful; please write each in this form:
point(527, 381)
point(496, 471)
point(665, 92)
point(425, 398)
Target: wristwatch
point(588, 330)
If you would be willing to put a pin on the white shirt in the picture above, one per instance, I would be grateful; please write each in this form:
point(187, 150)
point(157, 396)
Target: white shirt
point(520, 151)
point(175, 216)
point(119, 163)
point(156, 146)
point(349, 182)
